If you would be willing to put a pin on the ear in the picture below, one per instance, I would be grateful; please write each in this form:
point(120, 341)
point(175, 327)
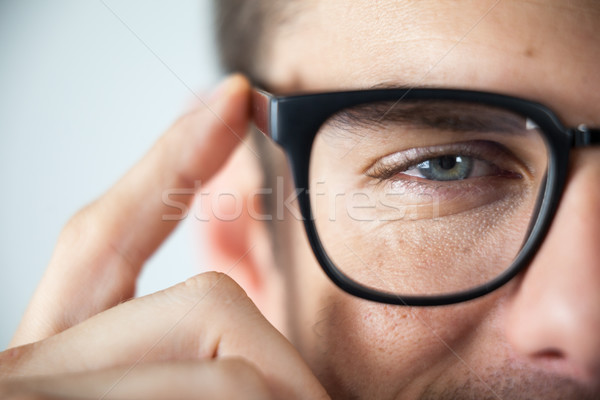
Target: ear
point(234, 229)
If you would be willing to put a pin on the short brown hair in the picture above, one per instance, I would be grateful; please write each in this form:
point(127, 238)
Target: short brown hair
point(241, 30)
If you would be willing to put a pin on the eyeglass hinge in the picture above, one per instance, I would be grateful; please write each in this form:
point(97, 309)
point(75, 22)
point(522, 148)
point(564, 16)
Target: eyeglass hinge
point(582, 136)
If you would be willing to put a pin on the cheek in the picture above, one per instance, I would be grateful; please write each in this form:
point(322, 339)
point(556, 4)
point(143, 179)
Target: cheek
point(356, 346)
point(362, 347)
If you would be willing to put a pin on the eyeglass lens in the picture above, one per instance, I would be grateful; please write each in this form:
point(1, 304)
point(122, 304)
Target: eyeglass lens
point(425, 197)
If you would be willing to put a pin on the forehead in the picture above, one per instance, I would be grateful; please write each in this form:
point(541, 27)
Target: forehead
point(534, 49)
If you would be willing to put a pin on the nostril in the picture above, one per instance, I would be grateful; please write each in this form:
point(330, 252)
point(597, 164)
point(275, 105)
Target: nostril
point(550, 354)
point(562, 363)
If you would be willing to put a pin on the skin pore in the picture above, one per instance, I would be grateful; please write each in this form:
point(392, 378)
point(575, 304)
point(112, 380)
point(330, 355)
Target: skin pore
point(533, 338)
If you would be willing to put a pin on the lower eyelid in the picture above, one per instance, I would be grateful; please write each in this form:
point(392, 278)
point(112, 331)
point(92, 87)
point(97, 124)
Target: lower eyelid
point(450, 188)
point(453, 197)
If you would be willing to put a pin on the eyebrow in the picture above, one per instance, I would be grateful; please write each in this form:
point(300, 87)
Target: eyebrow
point(428, 114)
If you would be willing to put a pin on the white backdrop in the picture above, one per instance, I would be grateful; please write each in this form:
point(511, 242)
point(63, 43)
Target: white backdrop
point(81, 99)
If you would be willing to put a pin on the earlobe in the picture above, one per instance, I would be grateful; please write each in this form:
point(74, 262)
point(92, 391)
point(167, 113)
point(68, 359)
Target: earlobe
point(235, 233)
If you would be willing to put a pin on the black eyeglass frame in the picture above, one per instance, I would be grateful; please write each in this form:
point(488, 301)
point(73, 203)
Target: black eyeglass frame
point(294, 121)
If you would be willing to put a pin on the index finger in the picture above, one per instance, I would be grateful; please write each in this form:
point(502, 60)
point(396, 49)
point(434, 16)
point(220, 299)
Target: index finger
point(101, 250)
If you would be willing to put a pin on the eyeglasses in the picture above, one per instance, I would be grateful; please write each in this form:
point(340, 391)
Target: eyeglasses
point(422, 197)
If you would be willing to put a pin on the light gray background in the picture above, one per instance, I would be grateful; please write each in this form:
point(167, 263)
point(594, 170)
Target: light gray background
point(81, 99)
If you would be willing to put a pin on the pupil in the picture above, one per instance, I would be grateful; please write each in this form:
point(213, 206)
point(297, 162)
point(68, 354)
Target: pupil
point(447, 162)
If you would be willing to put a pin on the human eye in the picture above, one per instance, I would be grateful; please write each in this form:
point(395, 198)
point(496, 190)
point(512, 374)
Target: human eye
point(431, 159)
point(454, 178)
point(450, 163)
point(451, 167)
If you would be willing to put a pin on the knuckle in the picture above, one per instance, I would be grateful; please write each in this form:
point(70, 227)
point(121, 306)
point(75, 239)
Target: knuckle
point(210, 302)
point(77, 229)
point(11, 362)
point(89, 239)
point(206, 291)
point(214, 285)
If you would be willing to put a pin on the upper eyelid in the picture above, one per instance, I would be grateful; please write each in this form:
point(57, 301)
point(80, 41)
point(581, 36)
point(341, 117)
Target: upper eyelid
point(411, 157)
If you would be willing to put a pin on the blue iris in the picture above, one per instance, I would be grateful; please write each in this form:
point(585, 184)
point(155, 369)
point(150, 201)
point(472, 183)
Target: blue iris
point(446, 168)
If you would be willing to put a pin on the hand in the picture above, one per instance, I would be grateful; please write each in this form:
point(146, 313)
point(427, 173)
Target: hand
point(202, 338)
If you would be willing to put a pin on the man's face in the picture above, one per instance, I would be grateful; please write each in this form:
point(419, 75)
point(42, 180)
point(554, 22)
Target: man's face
point(535, 337)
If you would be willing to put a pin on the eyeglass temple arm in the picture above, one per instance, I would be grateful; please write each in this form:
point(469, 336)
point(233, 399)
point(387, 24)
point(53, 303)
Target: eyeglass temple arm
point(261, 111)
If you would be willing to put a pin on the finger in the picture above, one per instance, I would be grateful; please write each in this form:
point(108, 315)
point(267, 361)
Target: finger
point(101, 250)
point(213, 379)
point(208, 316)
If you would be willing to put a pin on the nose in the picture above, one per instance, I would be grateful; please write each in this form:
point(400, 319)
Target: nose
point(553, 320)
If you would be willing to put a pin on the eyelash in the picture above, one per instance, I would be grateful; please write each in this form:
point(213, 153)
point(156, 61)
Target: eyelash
point(480, 151)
